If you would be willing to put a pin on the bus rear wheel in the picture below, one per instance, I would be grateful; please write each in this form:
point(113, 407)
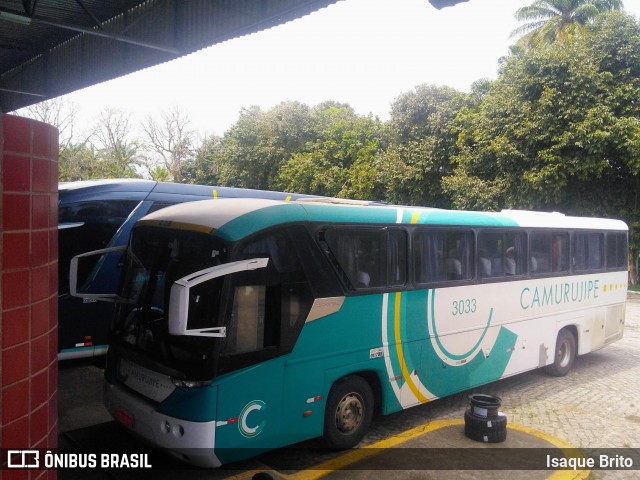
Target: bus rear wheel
point(565, 354)
point(348, 413)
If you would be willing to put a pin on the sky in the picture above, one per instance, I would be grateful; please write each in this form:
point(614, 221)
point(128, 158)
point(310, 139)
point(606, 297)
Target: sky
point(362, 52)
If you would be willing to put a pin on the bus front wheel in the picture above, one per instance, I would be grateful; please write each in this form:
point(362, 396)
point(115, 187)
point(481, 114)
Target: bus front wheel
point(565, 354)
point(348, 413)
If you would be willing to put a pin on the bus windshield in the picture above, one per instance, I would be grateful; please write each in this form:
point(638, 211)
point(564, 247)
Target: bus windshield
point(262, 310)
point(155, 260)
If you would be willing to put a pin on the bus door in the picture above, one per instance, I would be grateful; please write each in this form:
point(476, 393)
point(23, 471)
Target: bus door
point(264, 310)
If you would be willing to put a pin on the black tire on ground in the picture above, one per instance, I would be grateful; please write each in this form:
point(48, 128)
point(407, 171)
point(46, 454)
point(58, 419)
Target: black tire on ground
point(483, 405)
point(348, 412)
point(492, 435)
point(564, 354)
point(484, 423)
point(483, 429)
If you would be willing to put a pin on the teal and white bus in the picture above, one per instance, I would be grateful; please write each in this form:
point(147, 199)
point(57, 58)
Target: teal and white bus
point(248, 325)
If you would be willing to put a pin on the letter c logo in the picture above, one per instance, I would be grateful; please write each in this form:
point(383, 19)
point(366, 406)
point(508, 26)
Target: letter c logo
point(243, 425)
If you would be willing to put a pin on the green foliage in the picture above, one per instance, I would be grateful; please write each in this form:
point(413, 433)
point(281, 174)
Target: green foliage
point(85, 162)
point(421, 138)
point(550, 20)
point(204, 168)
point(254, 149)
point(296, 148)
point(558, 129)
point(159, 173)
point(77, 162)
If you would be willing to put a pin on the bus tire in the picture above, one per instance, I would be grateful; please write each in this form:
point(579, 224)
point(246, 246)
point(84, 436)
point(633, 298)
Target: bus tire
point(564, 354)
point(348, 412)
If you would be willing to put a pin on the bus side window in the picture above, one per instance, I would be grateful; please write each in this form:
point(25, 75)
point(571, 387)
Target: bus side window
point(397, 257)
point(443, 255)
point(159, 206)
point(501, 254)
point(587, 251)
point(540, 253)
point(548, 252)
point(369, 257)
point(617, 251)
point(560, 252)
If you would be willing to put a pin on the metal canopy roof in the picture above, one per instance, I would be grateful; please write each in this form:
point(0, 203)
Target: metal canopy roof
point(52, 47)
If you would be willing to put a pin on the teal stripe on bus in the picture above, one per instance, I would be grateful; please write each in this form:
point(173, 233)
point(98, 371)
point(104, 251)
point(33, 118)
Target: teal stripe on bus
point(262, 218)
point(292, 212)
point(477, 219)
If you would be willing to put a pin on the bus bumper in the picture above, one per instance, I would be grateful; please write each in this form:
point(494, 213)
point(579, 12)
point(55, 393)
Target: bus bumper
point(191, 442)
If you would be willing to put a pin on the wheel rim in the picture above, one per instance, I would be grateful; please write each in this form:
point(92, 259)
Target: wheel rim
point(564, 354)
point(349, 413)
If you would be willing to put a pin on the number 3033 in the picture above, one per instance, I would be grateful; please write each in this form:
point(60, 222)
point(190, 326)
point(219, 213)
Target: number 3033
point(461, 307)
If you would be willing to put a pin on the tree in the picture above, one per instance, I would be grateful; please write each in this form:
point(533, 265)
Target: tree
point(260, 142)
point(312, 173)
point(171, 142)
point(421, 138)
point(558, 130)
point(204, 169)
point(116, 155)
point(338, 159)
point(296, 148)
point(105, 151)
point(57, 112)
point(549, 20)
point(159, 174)
point(78, 161)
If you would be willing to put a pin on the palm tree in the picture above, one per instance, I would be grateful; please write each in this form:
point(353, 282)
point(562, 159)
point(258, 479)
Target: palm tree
point(549, 20)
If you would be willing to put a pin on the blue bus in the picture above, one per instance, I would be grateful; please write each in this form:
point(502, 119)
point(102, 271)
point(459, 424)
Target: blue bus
point(99, 214)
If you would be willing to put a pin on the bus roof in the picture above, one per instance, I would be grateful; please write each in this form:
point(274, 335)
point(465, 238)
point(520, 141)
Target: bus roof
point(236, 218)
point(108, 184)
point(138, 187)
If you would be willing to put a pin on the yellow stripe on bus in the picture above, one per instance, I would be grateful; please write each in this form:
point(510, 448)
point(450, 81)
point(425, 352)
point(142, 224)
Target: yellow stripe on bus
point(403, 366)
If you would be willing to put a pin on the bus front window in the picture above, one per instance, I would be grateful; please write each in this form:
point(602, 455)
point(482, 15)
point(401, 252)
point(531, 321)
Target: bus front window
point(249, 308)
point(156, 259)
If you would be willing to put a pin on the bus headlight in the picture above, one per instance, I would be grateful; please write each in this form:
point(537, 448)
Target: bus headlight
point(176, 430)
point(178, 382)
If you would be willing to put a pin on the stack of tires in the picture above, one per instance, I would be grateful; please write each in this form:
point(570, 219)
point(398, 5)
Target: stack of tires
point(483, 422)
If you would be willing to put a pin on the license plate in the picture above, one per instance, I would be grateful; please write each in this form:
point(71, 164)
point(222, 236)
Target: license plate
point(124, 417)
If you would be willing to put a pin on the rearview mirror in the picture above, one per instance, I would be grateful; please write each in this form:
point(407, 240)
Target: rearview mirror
point(90, 276)
point(180, 293)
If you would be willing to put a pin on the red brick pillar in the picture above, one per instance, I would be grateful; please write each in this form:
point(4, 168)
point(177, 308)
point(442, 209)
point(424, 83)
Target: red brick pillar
point(29, 285)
